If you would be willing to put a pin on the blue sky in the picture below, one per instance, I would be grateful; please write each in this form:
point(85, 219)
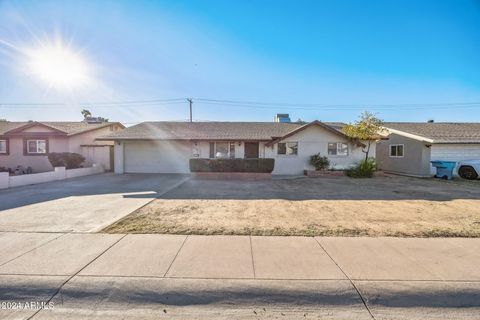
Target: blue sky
point(326, 60)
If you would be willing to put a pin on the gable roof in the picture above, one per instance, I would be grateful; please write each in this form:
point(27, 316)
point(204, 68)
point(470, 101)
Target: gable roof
point(163, 130)
point(66, 127)
point(437, 132)
point(311, 124)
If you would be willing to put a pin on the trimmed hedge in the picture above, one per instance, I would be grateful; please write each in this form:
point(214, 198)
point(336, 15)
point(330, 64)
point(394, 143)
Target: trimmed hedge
point(68, 160)
point(232, 165)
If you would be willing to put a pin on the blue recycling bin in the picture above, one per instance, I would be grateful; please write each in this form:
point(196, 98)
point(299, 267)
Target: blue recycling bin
point(444, 169)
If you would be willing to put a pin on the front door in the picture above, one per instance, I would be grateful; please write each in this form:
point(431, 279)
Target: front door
point(112, 159)
point(251, 150)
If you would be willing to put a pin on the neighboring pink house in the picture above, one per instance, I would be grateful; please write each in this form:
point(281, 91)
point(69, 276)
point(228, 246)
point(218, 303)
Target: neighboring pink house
point(27, 144)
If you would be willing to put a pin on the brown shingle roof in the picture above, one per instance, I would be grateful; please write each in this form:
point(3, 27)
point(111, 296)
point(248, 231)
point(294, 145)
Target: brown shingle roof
point(206, 131)
point(70, 128)
point(8, 125)
point(440, 132)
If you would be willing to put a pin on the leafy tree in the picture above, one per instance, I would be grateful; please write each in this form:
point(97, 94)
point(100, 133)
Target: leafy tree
point(366, 128)
point(86, 113)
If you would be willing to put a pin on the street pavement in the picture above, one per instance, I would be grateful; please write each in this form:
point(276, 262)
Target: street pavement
point(117, 276)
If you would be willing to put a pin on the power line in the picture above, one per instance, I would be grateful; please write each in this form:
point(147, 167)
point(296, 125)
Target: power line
point(331, 105)
point(241, 104)
point(338, 107)
point(63, 106)
point(111, 103)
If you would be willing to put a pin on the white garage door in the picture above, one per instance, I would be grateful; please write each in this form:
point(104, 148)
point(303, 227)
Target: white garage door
point(157, 157)
point(454, 152)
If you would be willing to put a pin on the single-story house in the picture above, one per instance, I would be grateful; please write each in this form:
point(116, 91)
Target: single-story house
point(166, 147)
point(27, 144)
point(411, 145)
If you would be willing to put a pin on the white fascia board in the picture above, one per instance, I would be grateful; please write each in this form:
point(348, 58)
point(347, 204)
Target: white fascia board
point(409, 135)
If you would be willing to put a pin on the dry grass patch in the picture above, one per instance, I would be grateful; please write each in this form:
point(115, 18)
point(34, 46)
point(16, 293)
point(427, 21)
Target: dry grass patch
point(406, 218)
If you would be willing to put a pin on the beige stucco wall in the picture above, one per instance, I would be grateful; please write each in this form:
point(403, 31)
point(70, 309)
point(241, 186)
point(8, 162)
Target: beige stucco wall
point(98, 155)
point(416, 159)
point(173, 156)
point(89, 137)
point(311, 141)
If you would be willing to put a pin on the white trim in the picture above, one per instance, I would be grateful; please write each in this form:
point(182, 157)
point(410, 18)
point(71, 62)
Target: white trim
point(36, 143)
point(396, 145)
point(286, 154)
point(336, 150)
point(408, 135)
point(6, 147)
point(229, 154)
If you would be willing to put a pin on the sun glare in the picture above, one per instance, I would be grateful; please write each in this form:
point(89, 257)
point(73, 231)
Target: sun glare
point(58, 66)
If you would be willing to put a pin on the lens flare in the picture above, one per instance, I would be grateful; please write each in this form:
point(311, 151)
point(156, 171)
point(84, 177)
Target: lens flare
point(58, 66)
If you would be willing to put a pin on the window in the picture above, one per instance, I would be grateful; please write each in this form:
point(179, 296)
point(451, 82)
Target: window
point(37, 146)
point(222, 150)
point(212, 150)
point(337, 149)
point(396, 150)
point(288, 148)
point(3, 146)
point(232, 150)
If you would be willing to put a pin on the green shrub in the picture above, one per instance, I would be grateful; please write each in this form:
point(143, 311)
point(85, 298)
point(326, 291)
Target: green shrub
point(364, 169)
point(319, 162)
point(68, 160)
point(232, 165)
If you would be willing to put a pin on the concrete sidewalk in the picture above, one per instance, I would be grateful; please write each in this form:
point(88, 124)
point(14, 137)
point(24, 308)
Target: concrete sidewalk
point(241, 277)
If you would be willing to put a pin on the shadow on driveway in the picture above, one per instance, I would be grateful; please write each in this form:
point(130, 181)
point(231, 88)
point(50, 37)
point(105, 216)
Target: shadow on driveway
point(145, 185)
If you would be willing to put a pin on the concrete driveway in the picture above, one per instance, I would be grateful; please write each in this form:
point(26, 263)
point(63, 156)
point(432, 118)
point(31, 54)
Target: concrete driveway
point(85, 204)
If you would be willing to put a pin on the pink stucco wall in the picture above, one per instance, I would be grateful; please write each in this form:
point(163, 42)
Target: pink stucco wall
point(40, 163)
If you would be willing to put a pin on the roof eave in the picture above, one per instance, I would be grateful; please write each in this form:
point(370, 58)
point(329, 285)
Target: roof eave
point(20, 129)
point(319, 123)
point(178, 139)
point(409, 135)
point(96, 128)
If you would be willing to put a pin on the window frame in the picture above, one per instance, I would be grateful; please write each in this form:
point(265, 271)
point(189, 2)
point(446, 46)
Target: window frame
point(337, 149)
point(7, 147)
point(26, 149)
point(396, 148)
point(230, 154)
point(286, 143)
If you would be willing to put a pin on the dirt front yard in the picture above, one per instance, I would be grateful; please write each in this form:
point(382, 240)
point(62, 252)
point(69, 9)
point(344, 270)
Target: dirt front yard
point(341, 206)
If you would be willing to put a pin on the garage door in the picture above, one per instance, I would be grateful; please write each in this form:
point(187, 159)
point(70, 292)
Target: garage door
point(157, 157)
point(454, 152)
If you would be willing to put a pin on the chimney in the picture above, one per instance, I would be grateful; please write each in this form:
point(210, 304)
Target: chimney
point(282, 117)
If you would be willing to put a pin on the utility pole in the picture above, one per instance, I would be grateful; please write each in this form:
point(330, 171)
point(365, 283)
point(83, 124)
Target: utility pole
point(191, 102)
